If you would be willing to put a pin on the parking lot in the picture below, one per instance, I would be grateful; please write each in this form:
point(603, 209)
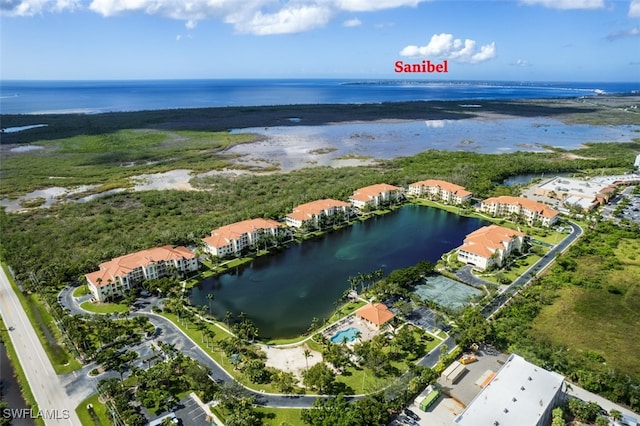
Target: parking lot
point(455, 396)
point(632, 211)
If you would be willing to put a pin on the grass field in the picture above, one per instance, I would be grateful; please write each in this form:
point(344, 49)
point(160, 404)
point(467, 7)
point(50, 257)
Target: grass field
point(601, 320)
point(104, 308)
point(80, 291)
point(101, 416)
point(280, 416)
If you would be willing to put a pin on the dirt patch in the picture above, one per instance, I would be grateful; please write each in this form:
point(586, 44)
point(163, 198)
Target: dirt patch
point(291, 359)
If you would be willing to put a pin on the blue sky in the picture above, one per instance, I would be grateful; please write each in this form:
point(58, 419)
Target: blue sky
point(527, 40)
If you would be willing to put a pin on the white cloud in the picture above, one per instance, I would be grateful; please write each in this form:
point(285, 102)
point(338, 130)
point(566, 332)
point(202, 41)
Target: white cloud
point(369, 5)
point(521, 63)
point(261, 17)
point(355, 22)
point(287, 20)
point(36, 7)
point(634, 9)
point(567, 4)
point(625, 33)
point(446, 47)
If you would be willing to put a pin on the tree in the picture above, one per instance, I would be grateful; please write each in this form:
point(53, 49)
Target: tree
point(332, 411)
point(320, 378)
point(307, 353)
point(615, 414)
point(285, 381)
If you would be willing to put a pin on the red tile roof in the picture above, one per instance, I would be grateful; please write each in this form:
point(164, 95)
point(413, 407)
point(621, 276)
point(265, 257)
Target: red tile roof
point(222, 236)
point(121, 266)
point(314, 208)
point(486, 240)
point(458, 190)
point(376, 313)
point(530, 205)
point(368, 192)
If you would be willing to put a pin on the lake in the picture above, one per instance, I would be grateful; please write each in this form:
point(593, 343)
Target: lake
point(294, 147)
point(283, 292)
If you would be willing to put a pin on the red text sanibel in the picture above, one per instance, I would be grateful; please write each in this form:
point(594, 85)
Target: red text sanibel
point(424, 67)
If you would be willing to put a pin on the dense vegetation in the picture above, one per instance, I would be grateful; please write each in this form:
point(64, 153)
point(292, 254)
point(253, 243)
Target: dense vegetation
point(80, 236)
point(61, 243)
point(107, 160)
point(579, 318)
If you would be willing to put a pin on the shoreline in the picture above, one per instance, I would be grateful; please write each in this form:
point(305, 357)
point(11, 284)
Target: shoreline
point(619, 110)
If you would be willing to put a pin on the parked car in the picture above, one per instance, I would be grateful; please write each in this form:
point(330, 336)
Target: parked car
point(411, 414)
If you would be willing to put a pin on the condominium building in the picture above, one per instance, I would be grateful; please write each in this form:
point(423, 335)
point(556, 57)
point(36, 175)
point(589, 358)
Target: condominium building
point(232, 239)
point(376, 195)
point(531, 211)
point(117, 276)
point(442, 190)
point(314, 212)
point(489, 245)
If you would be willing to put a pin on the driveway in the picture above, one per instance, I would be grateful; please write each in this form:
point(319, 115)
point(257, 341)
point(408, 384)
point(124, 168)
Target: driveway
point(467, 277)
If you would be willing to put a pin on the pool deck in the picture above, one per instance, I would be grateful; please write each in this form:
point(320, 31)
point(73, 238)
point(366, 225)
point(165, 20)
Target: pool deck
point(351, 321)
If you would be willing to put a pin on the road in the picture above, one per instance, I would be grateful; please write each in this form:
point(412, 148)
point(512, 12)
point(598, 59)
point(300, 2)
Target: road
point(56, 405)
point(497, 303)
point(46, 385)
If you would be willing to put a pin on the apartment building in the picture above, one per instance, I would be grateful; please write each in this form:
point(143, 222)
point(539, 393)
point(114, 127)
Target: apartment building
point(531, 211)
point(489, 246)
point(117, 276)
point(376, 195)
point(232, 239)
point(314, 212)
point(441, 190)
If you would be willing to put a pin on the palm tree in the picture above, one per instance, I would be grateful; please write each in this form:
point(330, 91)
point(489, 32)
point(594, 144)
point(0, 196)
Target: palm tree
point(307, 353)
point(228, 316)
point(210, 298)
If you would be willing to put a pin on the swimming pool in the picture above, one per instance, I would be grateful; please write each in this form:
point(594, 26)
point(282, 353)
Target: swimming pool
point(348, 335)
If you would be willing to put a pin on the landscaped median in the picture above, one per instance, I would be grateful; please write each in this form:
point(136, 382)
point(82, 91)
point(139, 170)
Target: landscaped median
point(96, 415)
point(104, 308)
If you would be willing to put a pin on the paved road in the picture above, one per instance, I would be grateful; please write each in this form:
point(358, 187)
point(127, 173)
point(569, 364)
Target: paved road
point(43, 381)
point(502, 299)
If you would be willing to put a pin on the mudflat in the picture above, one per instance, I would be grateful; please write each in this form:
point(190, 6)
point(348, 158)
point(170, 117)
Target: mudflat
point(603, 110)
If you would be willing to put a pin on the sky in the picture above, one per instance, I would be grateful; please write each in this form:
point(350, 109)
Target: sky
point(519, 40)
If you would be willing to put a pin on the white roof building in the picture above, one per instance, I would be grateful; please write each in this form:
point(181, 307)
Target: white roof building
point(520, 394)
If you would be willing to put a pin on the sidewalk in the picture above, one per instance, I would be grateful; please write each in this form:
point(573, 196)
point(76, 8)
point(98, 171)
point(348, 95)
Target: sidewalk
point(578, 392)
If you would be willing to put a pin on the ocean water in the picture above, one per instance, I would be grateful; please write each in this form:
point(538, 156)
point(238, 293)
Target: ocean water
point(40, 97)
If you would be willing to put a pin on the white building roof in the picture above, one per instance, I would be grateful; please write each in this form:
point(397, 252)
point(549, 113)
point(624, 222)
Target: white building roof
point(518, 395)
point(577, 201)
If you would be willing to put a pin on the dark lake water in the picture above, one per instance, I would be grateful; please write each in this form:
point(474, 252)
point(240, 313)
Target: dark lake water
point(9, 388)
point(282, 293)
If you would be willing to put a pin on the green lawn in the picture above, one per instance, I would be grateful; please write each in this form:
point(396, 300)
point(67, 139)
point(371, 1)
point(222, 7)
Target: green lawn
point(516, 270)
point(280, 416)
point(99, 409)
point(340, 313)
point(104, 308)
point(80, 291)
point(190, 330)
